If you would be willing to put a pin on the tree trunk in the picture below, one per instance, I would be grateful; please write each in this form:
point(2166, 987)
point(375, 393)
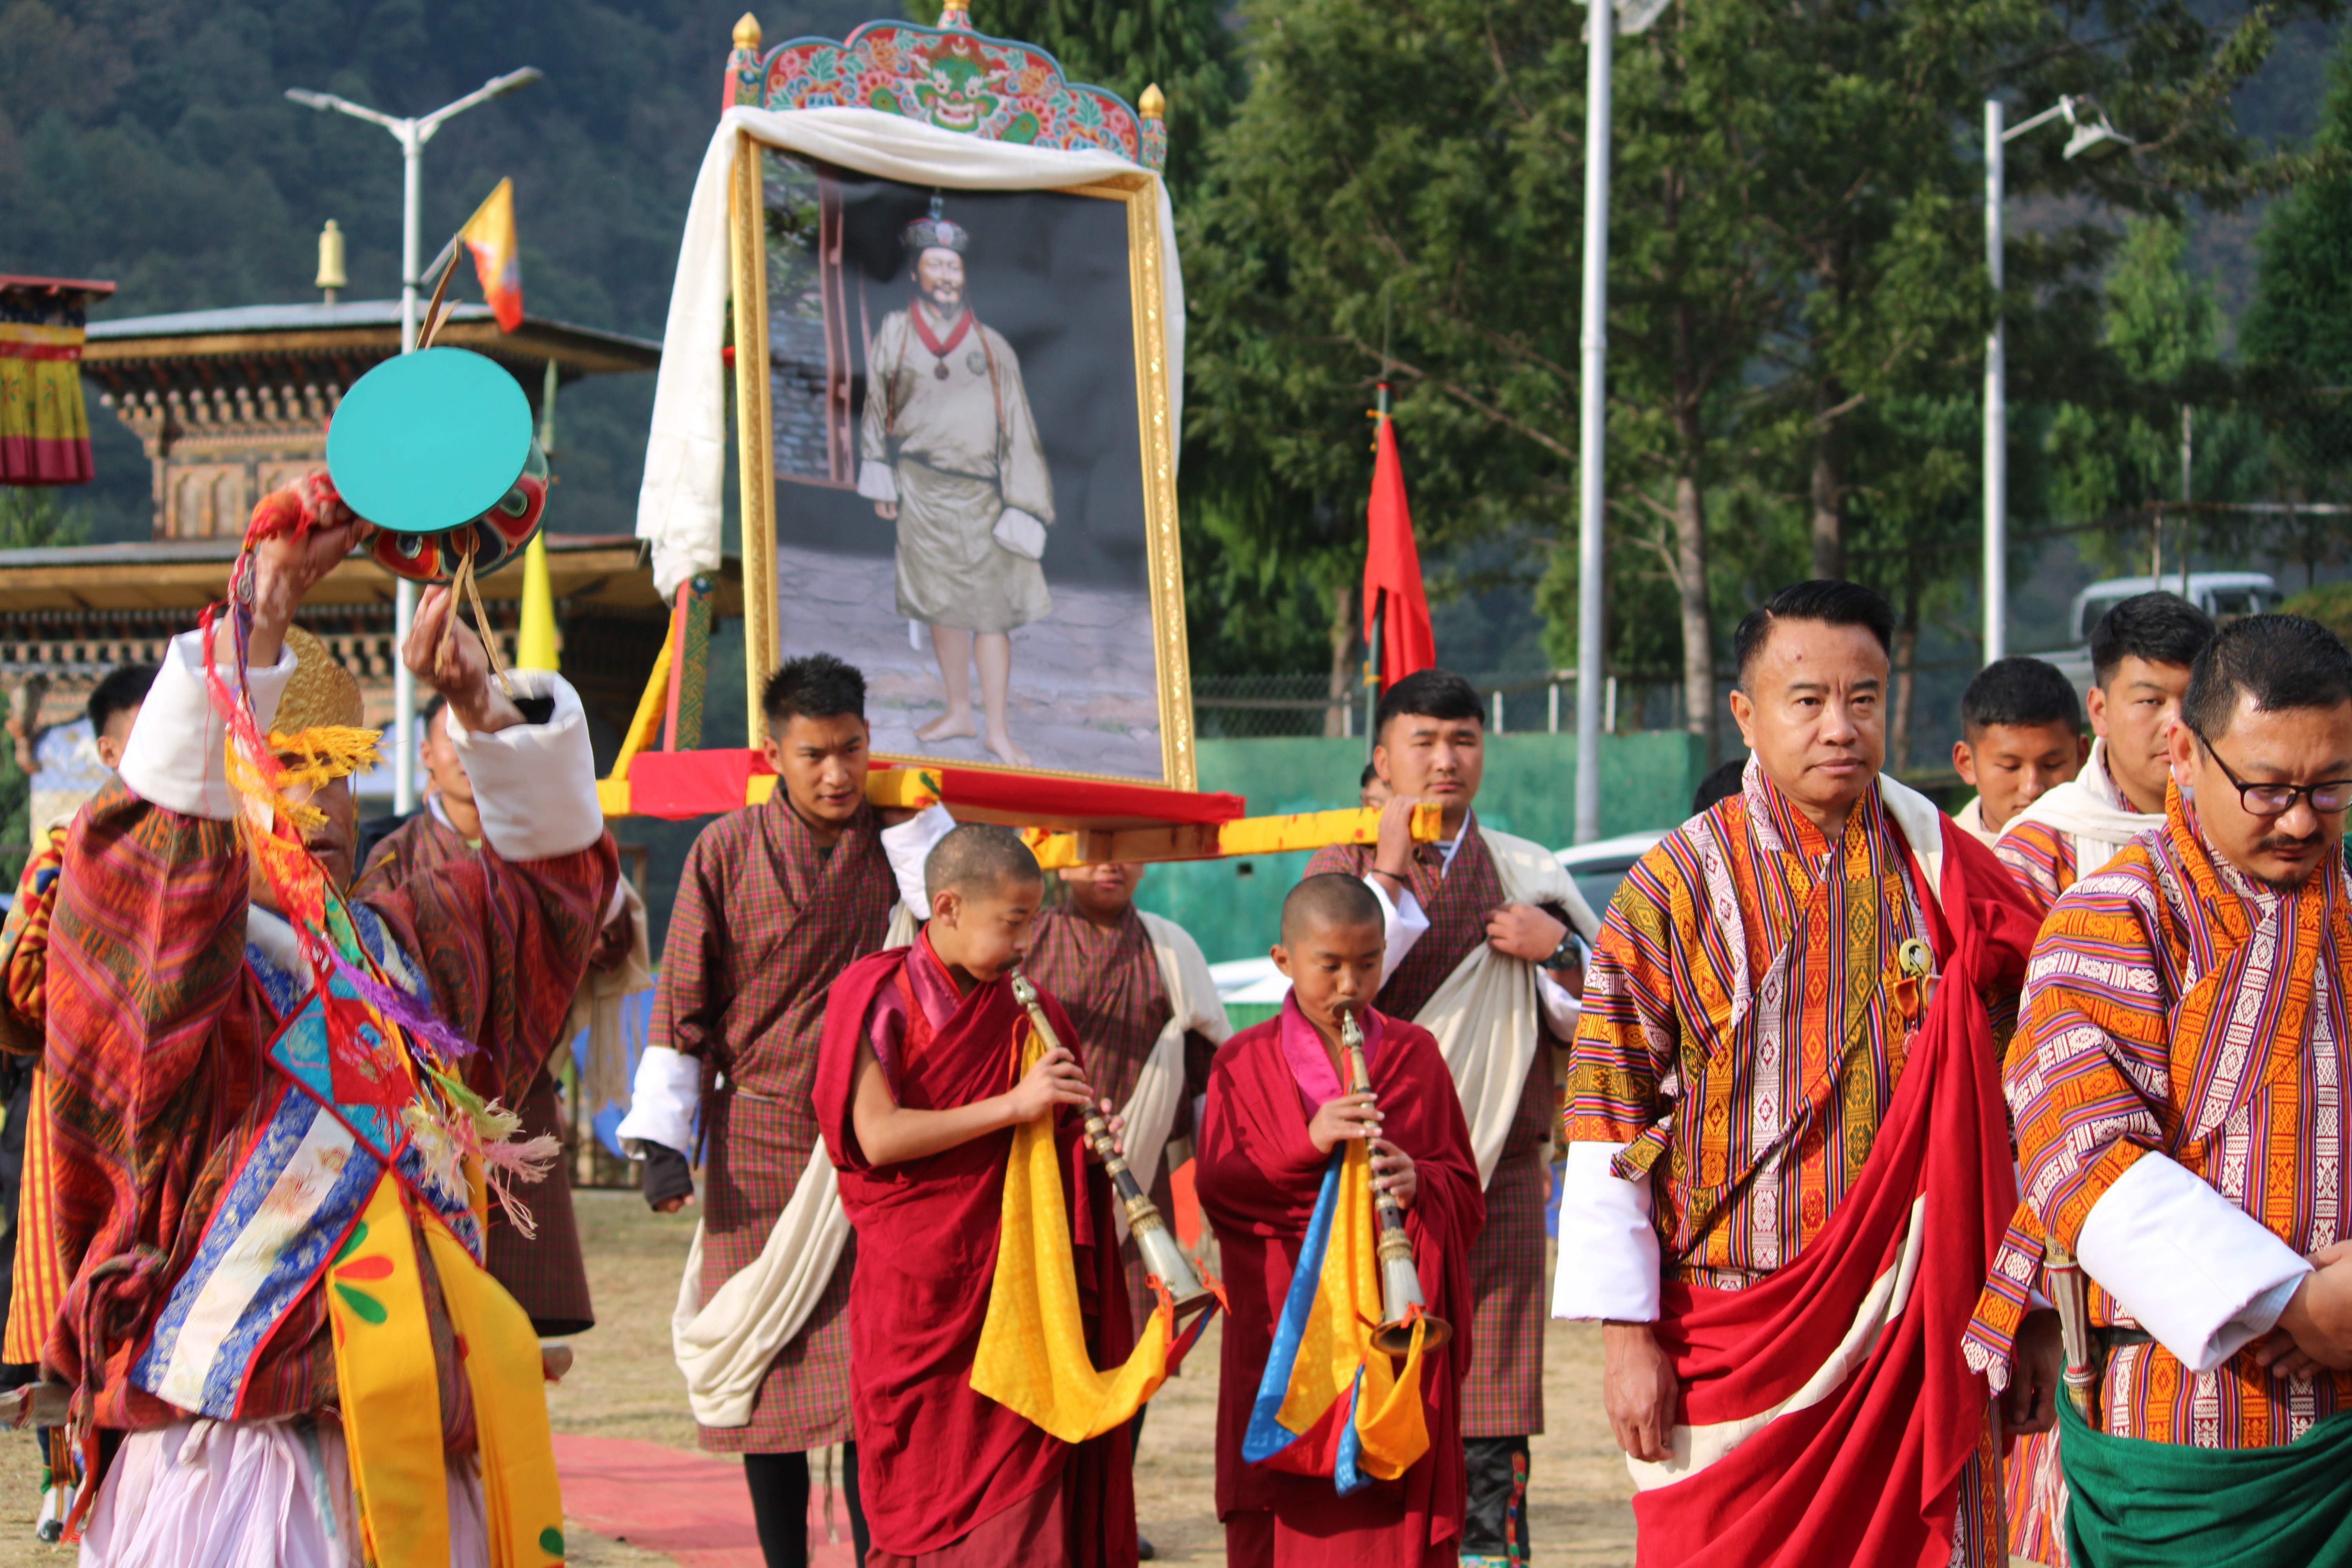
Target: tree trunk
point(1342, 686)
point(1698, 625)
point(1907, 678)
point(1829, 503)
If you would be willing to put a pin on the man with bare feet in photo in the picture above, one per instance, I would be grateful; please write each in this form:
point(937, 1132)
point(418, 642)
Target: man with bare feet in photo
point(948, 450)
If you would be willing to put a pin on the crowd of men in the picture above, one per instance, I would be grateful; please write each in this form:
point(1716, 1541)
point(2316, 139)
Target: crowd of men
point(1839, 1090)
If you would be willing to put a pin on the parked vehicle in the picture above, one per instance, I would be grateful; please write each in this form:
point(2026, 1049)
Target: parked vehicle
point(1598, 866)
point(2224, 595)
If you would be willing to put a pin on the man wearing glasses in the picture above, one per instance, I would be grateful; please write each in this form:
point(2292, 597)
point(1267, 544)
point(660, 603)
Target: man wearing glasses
point(2179, 1092)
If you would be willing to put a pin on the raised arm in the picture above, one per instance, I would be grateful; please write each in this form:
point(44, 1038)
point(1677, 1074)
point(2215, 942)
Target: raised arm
point(503, 939)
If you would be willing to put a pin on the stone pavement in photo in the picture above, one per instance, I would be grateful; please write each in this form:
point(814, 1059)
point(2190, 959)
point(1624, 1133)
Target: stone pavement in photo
point(1085, 689)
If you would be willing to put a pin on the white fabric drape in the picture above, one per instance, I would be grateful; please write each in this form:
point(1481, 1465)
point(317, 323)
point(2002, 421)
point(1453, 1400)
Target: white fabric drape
point(1151, 1111)
point(1486, 1014)
point(679, 507)
point(2091, 810)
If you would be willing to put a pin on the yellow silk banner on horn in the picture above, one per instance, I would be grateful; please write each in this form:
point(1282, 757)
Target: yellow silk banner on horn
point(391, 1398)
point(1032, 1357)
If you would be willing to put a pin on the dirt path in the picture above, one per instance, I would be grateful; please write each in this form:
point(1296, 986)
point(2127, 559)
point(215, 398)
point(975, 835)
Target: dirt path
point(626, 1386)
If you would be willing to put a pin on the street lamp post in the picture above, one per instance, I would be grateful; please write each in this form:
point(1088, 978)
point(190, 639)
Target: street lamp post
point(2092, 135)
point(412, 135)
point(1630, 16)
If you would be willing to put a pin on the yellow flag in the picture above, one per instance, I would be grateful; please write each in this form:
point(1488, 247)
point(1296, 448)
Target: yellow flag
point(490, 233)
point(535, 645)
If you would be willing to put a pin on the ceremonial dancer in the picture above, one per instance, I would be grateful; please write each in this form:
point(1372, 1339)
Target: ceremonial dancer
point(2022, 737)
point(956, 1131)
point(2178, 1100)
point(1315, 1467)
point(1471, 925)
point(254, 1415)
point(775, 903)
point(542, 1270)
point(2140, 655)
point(1788, 1155)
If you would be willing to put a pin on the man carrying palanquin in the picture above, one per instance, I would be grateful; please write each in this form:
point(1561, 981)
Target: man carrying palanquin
point(2140, 653)
point(1147, 1010)
point(2177, 1088)
point(207, 1195)
point(542, 1270)
point(1786, 1152)
point(1472, 925)
point(775, 903)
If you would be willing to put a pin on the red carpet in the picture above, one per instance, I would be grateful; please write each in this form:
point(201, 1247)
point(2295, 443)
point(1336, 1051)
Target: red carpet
point(692, 1508)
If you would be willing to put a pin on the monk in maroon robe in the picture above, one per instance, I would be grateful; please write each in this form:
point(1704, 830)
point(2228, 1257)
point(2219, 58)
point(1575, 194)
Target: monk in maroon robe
point(1275, 1109)
point(917, 1097)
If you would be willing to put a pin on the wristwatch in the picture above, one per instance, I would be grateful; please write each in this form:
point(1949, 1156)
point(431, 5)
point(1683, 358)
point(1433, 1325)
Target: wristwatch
point(1570, 947)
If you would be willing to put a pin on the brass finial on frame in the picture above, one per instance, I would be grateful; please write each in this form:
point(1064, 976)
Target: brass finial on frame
point(1153, 104)
point(747, 31)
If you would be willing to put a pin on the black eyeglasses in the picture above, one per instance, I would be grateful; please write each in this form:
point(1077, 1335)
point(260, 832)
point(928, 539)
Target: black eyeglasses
point(2328, 796)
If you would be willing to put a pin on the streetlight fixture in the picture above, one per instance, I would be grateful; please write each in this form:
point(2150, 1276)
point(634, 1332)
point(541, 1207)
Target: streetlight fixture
point(2093, 137)
point(412, 134)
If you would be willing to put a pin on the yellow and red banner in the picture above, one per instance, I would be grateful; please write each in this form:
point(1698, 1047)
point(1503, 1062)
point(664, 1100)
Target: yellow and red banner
point(490, 233)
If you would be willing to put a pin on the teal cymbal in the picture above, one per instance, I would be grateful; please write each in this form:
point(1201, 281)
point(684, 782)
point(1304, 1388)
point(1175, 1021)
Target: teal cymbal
point(429, 441)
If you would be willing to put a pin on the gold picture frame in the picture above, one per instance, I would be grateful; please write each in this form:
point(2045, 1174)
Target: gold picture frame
point(1156, 435)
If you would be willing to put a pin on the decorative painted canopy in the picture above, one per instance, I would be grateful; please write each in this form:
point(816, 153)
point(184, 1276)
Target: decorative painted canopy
point(949, 77)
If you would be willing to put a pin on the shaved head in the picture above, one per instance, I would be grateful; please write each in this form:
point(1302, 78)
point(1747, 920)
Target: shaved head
point(977, 859)
point(1330, 899)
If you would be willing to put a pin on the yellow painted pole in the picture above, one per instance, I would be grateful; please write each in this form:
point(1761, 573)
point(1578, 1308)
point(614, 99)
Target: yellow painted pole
point(535, 646)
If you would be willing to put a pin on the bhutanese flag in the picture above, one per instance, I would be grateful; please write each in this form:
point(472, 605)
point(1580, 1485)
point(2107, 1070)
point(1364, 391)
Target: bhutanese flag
point(490, 233)
point(1329, 1403)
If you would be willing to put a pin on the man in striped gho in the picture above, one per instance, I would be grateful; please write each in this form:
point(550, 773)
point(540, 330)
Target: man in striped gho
point(1787, 1161)
point(2178, 1093)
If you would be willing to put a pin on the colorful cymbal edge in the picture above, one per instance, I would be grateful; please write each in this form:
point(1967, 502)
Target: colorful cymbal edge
point(437, 449)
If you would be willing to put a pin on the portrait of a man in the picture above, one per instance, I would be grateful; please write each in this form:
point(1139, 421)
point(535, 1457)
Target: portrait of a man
point(948, 450)
point(955, 431)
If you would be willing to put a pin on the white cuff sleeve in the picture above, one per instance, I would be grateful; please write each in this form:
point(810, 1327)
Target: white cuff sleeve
point(662, 1103)
point(175, 754)
point(535, 784)
point(2198, 1272)
point(911, 844)
point(1560, 1010)
point(876, 482)
point(1609, 1261)
point(1404, 923)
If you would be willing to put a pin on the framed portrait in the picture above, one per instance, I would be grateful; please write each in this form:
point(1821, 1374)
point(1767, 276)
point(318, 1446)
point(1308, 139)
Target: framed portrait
point(957, 441)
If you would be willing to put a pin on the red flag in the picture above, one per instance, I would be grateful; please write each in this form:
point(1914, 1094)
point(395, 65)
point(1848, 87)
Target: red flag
point(1396, 611)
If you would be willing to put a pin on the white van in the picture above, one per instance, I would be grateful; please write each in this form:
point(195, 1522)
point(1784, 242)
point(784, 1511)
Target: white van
point(2224, 595)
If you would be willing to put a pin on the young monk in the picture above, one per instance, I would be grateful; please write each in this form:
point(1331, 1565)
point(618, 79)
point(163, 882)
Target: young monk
point(1277, 1105)
point(918, 1100)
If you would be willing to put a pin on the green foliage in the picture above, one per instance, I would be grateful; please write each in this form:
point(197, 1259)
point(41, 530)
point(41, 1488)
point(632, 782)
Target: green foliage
point(1797, 284)
point(33, 518)
point(2331, 606)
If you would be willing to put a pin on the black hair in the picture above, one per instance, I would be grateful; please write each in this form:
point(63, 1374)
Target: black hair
point(1430, 693)
point(2019, 691)
point(1829, 599)
point(2162, 629)
point(814, 686)
point(125, 686)
point(1364, 780)
point(975, 857)
point(1327, 898)
point(1725, 781)
point(2282, 662)
point(425, 717)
